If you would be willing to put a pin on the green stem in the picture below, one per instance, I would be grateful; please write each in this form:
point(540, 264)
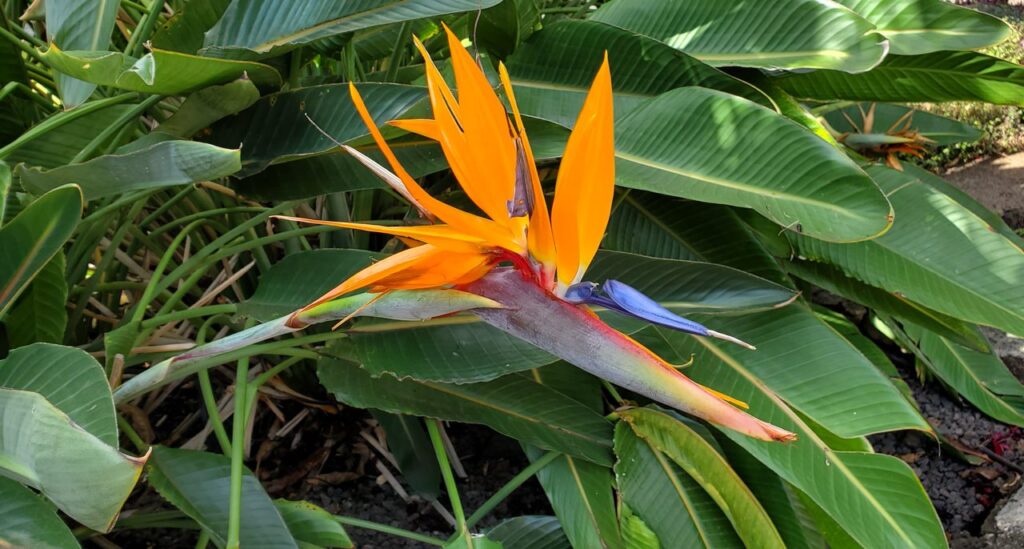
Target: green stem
point(433, 428)
point(509, 487)
point(237, 454)
point(204, 539)
point(396, 53)
point(210, 402)
point(144, 30)
point(368, 525)
point(161, 266)
point(12, 86)
point(184, 314)
point(129, 432)
point(61, 119)
point(28, 49)
point(114, 127)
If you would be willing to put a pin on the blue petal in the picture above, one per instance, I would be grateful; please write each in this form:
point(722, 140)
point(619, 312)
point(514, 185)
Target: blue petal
point(629, 300)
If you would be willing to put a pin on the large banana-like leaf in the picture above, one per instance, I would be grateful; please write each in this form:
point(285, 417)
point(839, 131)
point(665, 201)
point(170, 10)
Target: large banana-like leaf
point(938, 254)
point(529, 532)
point(581, 494)
point(185, 30)
point(981, 378)
point(41, 314)
point(26, 520)
point(43, 448)
point(79, 25)
point(158, 72)
point(778, 498)
point(994, 220)
point(300, 278)
point(830, 278)
point(162, 165)
point(311, 525)
point(790, 341)
point(262, 26)
point(939, 129)
point(782, 34)
point(876, 498)
point(514, 405)
point(932, 77)
point(37, 233)
point(276, 128)
point(681, 444)
point(922, 26)
point(60, 145)
point(70, 379)
point(675, 508)
point(198, 483)
point(552, 72)
point(713, 147)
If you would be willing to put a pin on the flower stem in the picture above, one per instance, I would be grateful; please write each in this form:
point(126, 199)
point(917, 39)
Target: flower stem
point(368, 525)
point(237, 454)
point(433, 428)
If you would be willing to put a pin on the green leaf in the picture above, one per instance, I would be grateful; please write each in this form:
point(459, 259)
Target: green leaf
point(668, 501)
point(40, 313)
point(580, 492)
point(276, 129)
point(790, 340)
point(690, 286)
point(932, 77)
point(298, 279)
point(981, 378)
point(941, 130)
point(185, 29)
point(923, 26)
point(552, 71)
point(846, 393)
point(994, 220)
point(158, 72)
point(876, 498)
point(656, 226)
point(70, 379)
point(26, 520)
point(709, 146)
point(529, 532)
point(778, 498)
point(635, 532)
point(501, 28)
point(514, 405)
point(783, 34)
point(684, 446)
point(60, 145)
point(312, 525)
point(161, 165)
point(263, 26)
point(43, 448)
point(37, 233)
point(938, 254)
point(868, 348)
point(79, 25)
point(408, 442)
point(469, 540)
point(832, 279)
point(199, 110)
point(198, 484)
point(454, 350)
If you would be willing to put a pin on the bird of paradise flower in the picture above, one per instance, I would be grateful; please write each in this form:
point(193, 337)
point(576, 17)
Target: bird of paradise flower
point(530, 262)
